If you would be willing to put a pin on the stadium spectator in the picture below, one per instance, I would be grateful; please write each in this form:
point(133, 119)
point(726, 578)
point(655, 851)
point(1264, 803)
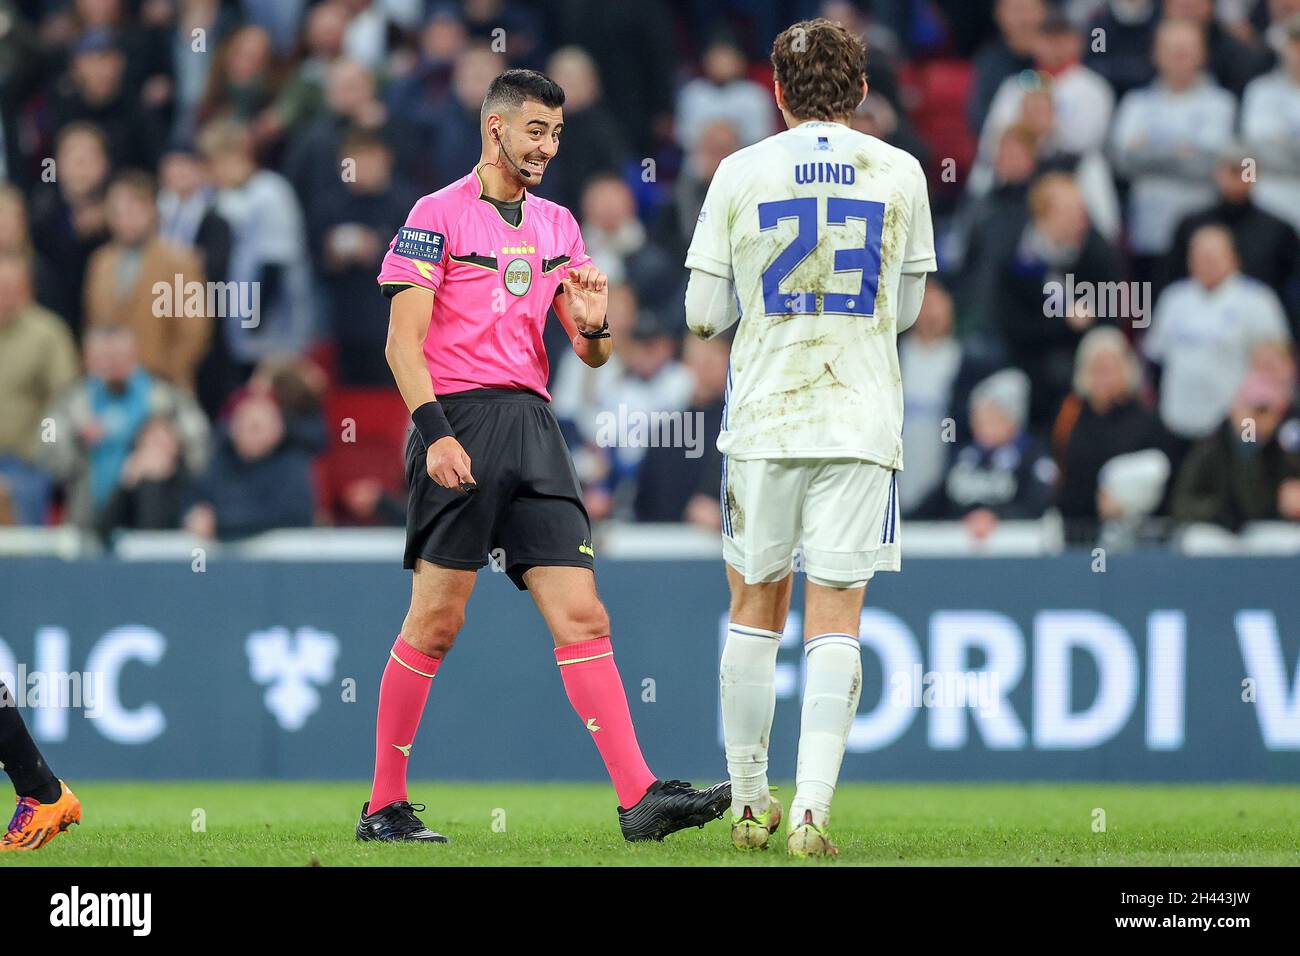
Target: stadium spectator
point(1104, 417)
point(632, 44)
point(1270, 117)
point(877, 116)
point(369, 26)
point(144, 282)
point(187, 214)
point(929, 359)
point(1167, 137)
point(723, 92)
point(313, 164)
point(302, 98)
point(618, 240)
point(1004, 473)
point(1057, 249)
point(1277, 29)
point(1089, 168)
point(278, 18)
point(1268, 246)
point(1128, 28)
point(67, 216)
point(680, 482)
point(22, 67)
point(516, 24)
point(642, 377)
point(880, 28)
point(1248, 469)
point(188, 218)
point(1234, 63)
point(1203, 332)
point(576, 390)
point(94, 91)
point(417, 93)
point(653, 381)
point(259, 478)
point(1276, 360)
point(242, 83)
point(352, 228)
point(296, 385)
point(268, 259)
point(153, 486)
point(37, 361)
point(593, 142)
point(455, 147)
point(678, 215)
point(200, 24)
point(1008, 54)
point(16, 240)
point(1083, 101)
point(988, 226)
point(94, 423)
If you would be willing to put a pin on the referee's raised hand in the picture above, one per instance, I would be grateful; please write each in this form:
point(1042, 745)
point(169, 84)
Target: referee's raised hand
point(448, 465)
point(587, 290)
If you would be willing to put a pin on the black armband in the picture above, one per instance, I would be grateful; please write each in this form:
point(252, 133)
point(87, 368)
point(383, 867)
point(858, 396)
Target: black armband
point(431, 422)
point(600, 333)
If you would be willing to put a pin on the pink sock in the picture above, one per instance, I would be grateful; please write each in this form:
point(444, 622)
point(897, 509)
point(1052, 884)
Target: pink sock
point(596, 692)
point(402, 694)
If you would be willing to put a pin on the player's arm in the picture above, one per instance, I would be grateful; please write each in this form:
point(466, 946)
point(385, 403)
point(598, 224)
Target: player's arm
point(918, 255)
point(911, 293)
point(408, 325)
point(710, 304)
point(710, 297)
point(582, 306)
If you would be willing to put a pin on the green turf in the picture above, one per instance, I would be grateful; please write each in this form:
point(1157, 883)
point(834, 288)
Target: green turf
point(300, 824)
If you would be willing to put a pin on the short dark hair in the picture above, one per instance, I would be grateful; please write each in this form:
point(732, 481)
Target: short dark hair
point(821, 67)
point(509, 90)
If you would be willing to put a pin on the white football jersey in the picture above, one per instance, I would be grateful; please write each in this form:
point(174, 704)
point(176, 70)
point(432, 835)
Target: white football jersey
point(814, 226)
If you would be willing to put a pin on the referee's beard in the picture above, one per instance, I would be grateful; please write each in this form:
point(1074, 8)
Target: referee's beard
point(514, 169)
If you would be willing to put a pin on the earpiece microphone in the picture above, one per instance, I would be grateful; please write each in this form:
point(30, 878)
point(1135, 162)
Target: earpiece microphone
point(501, 151)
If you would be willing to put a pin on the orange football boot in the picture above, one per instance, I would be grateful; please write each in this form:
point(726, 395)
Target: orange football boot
point(36, 824)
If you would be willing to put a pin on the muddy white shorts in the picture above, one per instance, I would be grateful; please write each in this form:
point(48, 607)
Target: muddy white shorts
point(839, 516)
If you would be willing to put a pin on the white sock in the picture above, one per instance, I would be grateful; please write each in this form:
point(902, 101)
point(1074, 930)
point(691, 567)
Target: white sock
point(748, 679)
point(830, 702)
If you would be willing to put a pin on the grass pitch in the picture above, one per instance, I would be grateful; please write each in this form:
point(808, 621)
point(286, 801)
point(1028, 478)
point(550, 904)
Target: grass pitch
point(308, 824)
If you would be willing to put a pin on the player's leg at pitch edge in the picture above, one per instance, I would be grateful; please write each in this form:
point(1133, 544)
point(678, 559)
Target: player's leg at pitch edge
point(45, 807)
point(783, 504)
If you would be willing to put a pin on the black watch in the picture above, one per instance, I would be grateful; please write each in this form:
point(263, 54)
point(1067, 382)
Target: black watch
point(600, 333)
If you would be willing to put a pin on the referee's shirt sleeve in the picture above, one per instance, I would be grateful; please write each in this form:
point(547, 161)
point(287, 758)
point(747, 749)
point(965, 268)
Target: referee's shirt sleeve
point(417, 256)
point(710, 249)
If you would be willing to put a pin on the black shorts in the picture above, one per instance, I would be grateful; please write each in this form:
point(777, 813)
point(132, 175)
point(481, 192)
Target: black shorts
point(528, 509)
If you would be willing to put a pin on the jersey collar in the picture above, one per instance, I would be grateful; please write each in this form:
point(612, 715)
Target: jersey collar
point(523, 204)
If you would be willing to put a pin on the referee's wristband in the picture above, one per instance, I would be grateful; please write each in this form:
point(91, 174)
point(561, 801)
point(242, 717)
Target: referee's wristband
point(431, 422)
point(600, 333)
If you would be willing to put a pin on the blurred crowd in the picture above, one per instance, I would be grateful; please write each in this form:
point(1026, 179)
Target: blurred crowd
point(1116, 189)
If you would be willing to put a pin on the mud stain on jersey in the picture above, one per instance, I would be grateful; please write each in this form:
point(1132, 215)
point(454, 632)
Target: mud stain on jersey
point(805, 343)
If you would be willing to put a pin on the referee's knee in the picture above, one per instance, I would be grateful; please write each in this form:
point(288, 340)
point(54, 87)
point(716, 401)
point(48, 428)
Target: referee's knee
point(583, 622)
point(433, 631)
